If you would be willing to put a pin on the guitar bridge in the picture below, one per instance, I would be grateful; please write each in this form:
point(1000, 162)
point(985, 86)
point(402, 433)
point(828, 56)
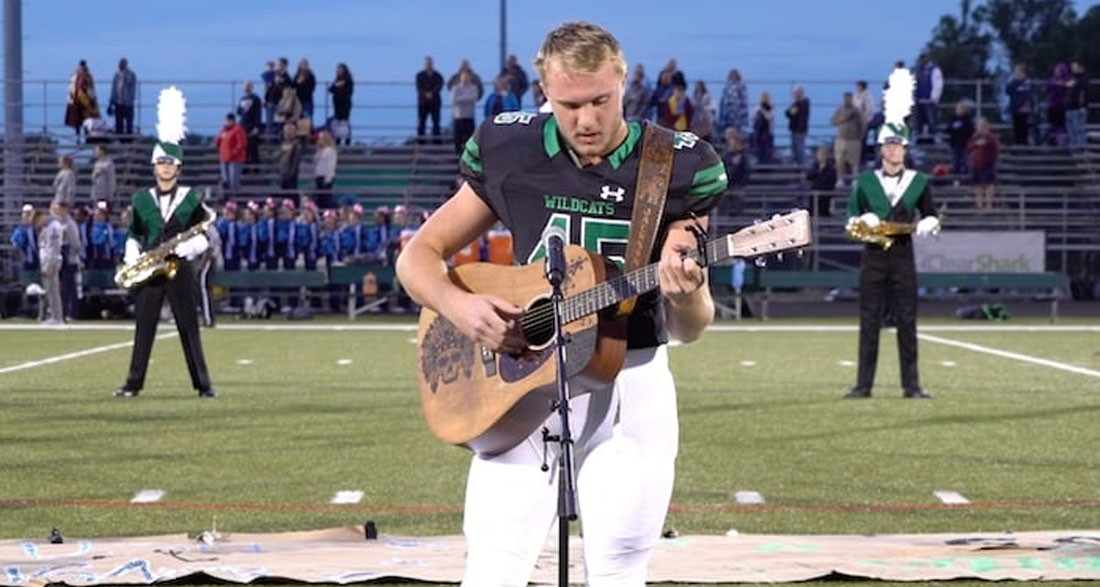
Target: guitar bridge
point(489, 362)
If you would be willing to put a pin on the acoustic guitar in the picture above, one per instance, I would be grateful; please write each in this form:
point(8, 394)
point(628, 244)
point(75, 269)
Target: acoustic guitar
point(489, 401)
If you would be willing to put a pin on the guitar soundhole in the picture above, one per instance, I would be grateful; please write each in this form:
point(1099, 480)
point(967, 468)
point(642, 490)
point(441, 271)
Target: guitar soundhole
point(537, 323)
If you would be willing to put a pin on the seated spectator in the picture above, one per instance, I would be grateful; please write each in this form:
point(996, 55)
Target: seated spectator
point(983, 151)
point(959, 130)
point(676, 111)
point(501, 100)
point(763, 130)
point(736, 159)
point(102, 252)
point(822, 179)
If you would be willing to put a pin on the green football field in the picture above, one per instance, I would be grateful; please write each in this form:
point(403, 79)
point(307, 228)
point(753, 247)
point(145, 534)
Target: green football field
point(307, 411)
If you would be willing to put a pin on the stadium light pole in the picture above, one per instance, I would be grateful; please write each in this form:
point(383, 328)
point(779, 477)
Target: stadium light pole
point(503, 32)
point(13, 105)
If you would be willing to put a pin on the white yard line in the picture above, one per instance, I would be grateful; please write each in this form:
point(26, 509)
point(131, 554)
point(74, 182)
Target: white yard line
point(1009, 355)
point(75, 355)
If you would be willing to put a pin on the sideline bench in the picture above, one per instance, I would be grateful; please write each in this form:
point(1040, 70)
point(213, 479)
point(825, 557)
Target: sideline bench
point(1052, 285)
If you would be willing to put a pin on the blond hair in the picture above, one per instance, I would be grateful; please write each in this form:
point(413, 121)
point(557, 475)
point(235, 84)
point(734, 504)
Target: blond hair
point(582, 47)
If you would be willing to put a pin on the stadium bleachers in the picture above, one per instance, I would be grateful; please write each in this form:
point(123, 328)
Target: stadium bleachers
point(1053, 189)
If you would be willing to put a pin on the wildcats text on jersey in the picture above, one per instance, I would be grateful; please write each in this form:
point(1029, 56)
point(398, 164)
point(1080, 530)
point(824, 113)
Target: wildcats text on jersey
point(577, 205)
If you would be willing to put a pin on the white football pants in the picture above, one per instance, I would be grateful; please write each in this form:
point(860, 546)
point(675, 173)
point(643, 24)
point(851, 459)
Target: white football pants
point(626, 439)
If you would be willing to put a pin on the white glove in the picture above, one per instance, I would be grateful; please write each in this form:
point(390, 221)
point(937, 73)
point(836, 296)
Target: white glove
point(928, 225)
point(192, 247)
point(133, 251)
point(870, 219)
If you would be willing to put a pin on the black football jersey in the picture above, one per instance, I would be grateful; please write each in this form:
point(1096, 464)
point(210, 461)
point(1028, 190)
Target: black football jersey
point(519, 165)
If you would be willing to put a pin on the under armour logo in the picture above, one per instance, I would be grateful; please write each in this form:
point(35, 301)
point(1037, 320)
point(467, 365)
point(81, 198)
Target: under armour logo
point(615, 195)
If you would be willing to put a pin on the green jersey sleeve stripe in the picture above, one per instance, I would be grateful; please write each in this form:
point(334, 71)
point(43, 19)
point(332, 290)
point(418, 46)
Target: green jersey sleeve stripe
point(471, 156)
point(709, 181)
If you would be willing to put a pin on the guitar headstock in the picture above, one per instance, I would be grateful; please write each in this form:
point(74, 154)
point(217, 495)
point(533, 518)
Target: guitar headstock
point(780, 233)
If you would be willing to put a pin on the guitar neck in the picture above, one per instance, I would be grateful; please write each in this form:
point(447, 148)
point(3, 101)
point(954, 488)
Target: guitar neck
point(631, 284)
point(779, 234)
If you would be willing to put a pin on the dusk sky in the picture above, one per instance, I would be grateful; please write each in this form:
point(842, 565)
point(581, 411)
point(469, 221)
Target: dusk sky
point(774, 43)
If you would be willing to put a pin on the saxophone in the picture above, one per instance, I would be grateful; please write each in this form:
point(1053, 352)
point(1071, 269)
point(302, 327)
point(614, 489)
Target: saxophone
point(883, 234)
point(160, 260)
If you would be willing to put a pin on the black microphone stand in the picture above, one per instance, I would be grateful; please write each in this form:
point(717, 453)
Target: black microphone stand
point(567, 488)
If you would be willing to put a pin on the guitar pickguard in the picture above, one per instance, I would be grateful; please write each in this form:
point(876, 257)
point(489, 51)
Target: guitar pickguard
point(513, 368)
point(446, 354)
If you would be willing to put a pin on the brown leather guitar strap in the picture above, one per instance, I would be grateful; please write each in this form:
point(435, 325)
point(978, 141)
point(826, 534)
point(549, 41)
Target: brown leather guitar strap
point(654, 172)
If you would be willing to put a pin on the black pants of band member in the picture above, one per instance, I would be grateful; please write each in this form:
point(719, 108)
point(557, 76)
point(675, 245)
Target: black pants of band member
point(180, 292)
point(888, 283)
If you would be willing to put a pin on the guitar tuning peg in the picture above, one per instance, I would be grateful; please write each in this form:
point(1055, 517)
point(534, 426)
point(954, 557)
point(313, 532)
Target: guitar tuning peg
point(760, 262)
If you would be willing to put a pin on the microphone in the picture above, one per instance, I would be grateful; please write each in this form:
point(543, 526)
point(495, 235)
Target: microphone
point(554, 239)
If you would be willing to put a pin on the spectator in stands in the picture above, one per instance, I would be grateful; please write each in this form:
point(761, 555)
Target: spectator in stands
point(304, 84)
point(354, 237)
point(324, 169)
point(705, 112)
point(638, 93)
point(103, 175)
point(307, 236)
point(123, 91)
point(738, 169)
point(71, 262)
point(248, 244)
point(661, 92)
point(675, 74)
point(763, 130)
point(329, 240)
point(24, 237)
point(848, 124)
point(1057, 93)
point(676, 110)
point(733, 110)
point(517, 79)
point(341, 89)
point(51, 257)
point(271, 96)
point(1077, 105)
point(429, 84)
point(82, 217)
point(227, 230)
point(959, 130)
point(274, 93)
point(798, 122)
point(250, 117)
point(120, 234)
point(501, 100)
point(537, 95)
point(379, 236)
point(64, 183)
point(822, 179)
point(232, 146)
point(929, 80)
point(464, 95)
point(81, 102)
point(102, 255)
point(1021, 102)
point(473, 78)
point(983, 151)
point(265, 235)
point(290, 156)
point(285, 234)
point(864, 102)
point(289, 109)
